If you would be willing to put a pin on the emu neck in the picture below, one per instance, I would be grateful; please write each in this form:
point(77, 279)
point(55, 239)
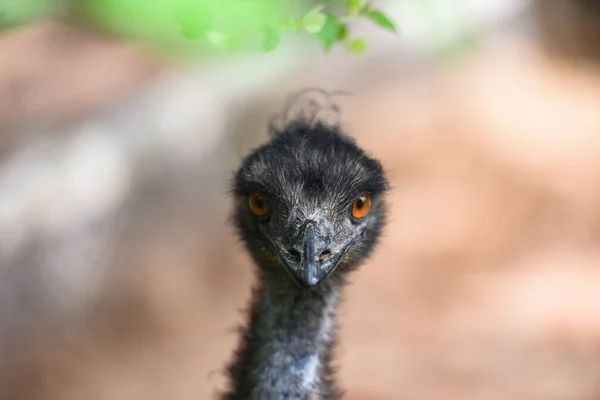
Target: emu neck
point(287, 345)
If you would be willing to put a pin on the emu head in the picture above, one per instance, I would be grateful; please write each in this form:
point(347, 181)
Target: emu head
point(309, 203)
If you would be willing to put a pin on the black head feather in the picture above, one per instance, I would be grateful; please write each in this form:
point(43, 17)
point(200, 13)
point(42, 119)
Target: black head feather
point(310, 176)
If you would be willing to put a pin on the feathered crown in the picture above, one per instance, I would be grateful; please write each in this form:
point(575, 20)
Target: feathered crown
point(310, 106)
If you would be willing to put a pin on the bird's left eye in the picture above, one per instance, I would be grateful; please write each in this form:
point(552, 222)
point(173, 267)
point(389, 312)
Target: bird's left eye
point(361, 206)
point(258, 204)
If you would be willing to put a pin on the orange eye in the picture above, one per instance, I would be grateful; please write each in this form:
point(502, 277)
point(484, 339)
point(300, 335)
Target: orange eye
point(258, 204)
point(361, 206)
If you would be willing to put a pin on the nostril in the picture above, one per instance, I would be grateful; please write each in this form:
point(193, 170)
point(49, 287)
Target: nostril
point(295, 255)
point(325, 255)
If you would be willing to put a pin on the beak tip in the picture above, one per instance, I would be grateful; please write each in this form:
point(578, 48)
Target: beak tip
point(311, 282)
point(308, 271)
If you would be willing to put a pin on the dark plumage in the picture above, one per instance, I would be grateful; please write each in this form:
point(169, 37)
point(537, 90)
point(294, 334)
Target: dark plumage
point(309, 209)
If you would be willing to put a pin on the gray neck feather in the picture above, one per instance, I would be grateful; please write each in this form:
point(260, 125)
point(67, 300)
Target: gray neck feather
point(287, 345)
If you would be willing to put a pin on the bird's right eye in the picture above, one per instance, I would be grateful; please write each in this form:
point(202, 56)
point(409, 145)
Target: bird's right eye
point(258, 204)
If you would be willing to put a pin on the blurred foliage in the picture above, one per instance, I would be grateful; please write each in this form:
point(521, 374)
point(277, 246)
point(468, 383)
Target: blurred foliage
point(232, 25)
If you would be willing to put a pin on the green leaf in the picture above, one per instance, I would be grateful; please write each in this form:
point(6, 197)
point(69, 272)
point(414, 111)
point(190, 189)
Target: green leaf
point(357, 46)
point(191, 34)
point(342, 33)
point(218, 39)
point(290, 24)
point(271, 39)
point(380, 19)
point(356, 6)
point(331, 32)
point(314, 21)
point(193, 19)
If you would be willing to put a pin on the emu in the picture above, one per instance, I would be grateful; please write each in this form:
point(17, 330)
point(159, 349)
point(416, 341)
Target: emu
point(309, 208)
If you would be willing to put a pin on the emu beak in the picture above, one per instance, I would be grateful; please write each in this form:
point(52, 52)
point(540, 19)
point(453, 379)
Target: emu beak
point(310, 272)
point(313, 262)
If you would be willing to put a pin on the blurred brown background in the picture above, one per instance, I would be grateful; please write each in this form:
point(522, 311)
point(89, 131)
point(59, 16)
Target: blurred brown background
point(121, 279)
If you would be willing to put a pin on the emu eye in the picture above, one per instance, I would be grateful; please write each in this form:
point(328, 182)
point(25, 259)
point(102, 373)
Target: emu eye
point(361, 206)
point(258, 204)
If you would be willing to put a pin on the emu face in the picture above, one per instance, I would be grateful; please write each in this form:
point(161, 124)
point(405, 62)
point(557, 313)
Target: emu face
point(309, 202)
